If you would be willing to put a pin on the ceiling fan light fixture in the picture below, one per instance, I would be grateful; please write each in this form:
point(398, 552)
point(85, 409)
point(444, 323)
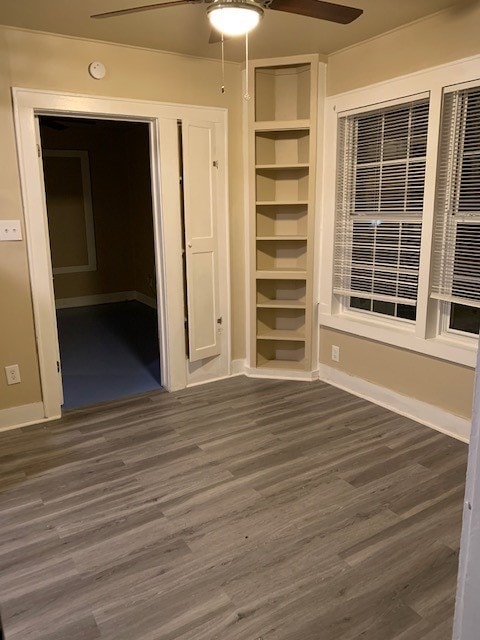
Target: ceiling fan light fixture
point(234, 17)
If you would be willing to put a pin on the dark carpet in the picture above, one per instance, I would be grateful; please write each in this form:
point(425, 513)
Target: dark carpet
point(108, 351)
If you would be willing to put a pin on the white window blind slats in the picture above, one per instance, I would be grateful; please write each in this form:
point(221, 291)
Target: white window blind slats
point(380, 187)
point(456, 253)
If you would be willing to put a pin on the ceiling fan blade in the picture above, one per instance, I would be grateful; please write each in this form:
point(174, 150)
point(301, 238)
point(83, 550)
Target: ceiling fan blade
point(318, 9)
point(216, 36)
point(147, 7)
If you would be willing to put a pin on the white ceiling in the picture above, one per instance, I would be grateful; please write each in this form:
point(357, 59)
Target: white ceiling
point(185, 29)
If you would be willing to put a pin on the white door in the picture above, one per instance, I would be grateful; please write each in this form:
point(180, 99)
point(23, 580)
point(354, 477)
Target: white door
point(200, 204)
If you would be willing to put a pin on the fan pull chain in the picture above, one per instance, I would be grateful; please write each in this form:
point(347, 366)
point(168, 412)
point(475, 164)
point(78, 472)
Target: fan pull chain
point(247, 94)
point(223, 66)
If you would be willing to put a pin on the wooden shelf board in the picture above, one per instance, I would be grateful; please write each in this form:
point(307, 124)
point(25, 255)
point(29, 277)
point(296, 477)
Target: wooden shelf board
point(270, 203)
point(274, 167)
point(292, 365)
point(295, 238)
point(282, 125)
point(284, 274)
point(282, 304)
point(282, 334)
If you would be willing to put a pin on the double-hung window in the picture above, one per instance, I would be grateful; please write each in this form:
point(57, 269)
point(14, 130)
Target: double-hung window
point(379, 206)
point(456, 252)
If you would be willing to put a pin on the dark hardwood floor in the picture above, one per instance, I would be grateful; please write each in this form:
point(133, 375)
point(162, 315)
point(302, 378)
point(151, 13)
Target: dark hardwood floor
point(240, 510)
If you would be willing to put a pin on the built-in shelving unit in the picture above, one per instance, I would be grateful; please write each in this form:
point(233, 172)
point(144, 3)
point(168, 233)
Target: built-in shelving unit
point(282, 130)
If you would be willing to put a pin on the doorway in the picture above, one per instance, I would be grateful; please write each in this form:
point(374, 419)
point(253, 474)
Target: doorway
point(204, 145)
point(100, 222)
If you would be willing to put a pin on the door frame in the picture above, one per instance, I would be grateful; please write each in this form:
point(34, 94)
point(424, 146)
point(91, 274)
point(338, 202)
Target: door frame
point(162, 119)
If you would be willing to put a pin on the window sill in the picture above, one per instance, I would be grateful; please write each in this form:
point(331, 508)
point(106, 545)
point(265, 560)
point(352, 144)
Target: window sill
point(456, 350)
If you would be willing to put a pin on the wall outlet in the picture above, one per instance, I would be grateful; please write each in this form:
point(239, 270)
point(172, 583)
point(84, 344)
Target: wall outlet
point(10, 230)
point(335, 353)
point(13, 374)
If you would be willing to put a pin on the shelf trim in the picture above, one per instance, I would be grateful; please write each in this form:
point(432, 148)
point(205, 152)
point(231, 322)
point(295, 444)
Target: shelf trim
point(280, 167)
point(283, 335)
point(284, 274)
point(290, 237)
point(286, 365)
point(282, 125)
point(270, 203)
point(281, 304)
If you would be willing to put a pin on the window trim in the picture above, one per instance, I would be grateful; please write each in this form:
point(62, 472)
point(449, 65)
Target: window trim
point(424, 337)
point(444, 310)
point(451, 217)
point(88, 217)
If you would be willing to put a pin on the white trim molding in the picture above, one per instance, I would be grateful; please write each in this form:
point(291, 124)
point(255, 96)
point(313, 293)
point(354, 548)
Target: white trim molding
point(105, 298)
point(237, 368)
point(281, 374)
point(149, 301)
point(94, 299)
point(22, 416)
point(422, 412)
point(87, 208)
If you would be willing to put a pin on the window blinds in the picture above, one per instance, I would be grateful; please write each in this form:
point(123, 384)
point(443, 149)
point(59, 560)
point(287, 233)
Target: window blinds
point(456, 247)
point(379, 202)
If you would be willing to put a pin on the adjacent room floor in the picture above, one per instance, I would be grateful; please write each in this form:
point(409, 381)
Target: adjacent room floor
point(108, 351)
point(241, 510)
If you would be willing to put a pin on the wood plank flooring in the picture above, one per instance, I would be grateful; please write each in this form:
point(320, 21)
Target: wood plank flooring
point(240, 510)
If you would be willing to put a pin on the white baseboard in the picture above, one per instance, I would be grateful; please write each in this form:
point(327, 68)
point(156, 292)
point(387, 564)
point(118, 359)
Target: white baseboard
point(237, 367)
point(105, 298)
point(147, 300)
point(199, 383)
point(22, 416)
point(100, 298)
point(280, 374)
point(422, 412)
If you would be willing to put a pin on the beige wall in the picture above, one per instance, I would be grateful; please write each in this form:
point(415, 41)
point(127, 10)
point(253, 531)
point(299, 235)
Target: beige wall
point(450, 35)
point(439, 383)
point(66, 203)
point(140, 212)
point(119, 159)
point(442, 38)
point(29, 59)
point(110, 203)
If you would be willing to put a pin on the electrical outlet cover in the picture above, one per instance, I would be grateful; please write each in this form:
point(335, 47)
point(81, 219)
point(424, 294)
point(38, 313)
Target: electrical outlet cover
point(13, 374)
point(10, 230)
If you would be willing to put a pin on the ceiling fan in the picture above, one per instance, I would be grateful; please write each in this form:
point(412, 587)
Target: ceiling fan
point(239, 17)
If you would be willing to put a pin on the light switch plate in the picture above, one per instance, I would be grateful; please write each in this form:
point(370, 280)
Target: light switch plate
point(10, 230)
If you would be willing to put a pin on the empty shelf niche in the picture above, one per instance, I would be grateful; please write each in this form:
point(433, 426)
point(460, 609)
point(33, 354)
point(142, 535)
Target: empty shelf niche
point(282, 147)
point(282, 92)
point(281, 324)
point(273, 354)
point(282, 255)
point(282, 186)
point(281, 294)
point(282, 220)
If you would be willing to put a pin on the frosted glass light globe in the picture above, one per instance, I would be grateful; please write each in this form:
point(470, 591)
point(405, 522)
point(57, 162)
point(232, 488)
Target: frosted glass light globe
point(235, 20)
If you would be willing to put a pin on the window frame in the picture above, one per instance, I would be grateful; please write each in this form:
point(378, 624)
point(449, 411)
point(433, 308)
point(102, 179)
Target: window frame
point(423, 335)
point(88, 217)
point(460, 218)
point(348, 216)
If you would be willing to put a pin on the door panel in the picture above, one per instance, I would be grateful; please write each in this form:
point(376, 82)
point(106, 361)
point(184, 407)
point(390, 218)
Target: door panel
point(200, 195)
